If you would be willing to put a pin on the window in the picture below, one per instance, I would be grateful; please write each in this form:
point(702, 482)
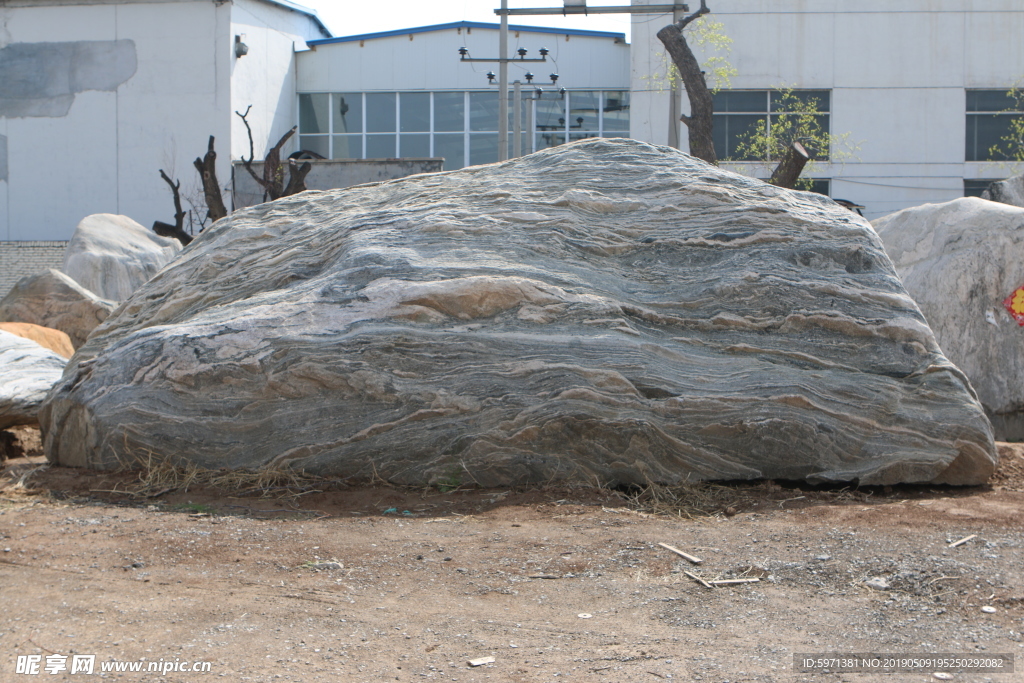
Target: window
point(990, 114)
point(460, 126)
point(974, 188)
point(739, 113)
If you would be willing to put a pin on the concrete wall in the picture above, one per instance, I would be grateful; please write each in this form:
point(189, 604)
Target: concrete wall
point(897, 71)
point(430, 61)
point(21, 259)
point(334, 173)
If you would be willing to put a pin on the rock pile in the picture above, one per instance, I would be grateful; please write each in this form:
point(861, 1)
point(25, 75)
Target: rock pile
point(27, 371)
point(52, 299)
point(604, 311)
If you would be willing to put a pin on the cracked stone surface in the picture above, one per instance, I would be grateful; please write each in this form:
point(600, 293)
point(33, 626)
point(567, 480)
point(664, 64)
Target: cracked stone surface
point(605, 311)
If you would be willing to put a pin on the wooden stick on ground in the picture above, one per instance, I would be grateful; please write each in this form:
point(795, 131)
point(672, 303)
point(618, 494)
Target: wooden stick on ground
point(963, 540)
point(677, 551)
point(726, 582)
point(699, 580)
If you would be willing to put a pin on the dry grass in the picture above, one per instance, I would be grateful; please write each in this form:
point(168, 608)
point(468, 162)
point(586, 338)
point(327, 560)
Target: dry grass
point(156, 476)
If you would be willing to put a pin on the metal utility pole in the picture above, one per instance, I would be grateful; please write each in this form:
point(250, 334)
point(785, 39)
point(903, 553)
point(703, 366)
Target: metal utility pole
point(503, 84)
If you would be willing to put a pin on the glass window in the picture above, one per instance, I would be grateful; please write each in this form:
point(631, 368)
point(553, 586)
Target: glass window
point(315, 143)
point(313, 114)
point(740, 113)
point(348, 147)
point(616, 111)
point(449, 111)
point(483, 148)
point(483, 111)
point(414, 144)
point(415, 112)
point(551, 139)
point(380, 113)
point(550, 115)
point(583, 111)
point(451, 146)
point(729, 130)
point(380, 146)
point(991, 116)
point(348, 112)
point(974, 188)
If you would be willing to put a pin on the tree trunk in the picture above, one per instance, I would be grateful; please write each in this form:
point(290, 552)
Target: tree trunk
point(700, 121)
point(296, 177)
point(792, 165)
point(207, 167)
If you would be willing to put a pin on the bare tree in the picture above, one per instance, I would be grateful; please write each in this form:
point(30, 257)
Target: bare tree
point(177, 230)
point(700, 121)
point(207, 167)
point(272, 181)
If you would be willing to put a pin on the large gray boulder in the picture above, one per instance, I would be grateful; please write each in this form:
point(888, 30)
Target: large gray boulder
point(604, 311)
point(1009, 191)
point(960, 260)
point(112, 255)
point(52, 299)
point(27, 372)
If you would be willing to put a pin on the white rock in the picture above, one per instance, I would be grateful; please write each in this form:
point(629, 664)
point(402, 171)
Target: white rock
point(52, 299)
point(112, 255)
point(27, 372)
point(878, 583)
point(604, 311)
point(960, 260)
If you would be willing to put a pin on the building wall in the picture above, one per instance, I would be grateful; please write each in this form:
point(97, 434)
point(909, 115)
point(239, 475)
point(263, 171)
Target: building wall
point(430, 61)
point(21, 259)
point(157, 87)
point(897, 71)
point(265, 77)
point(120, 89)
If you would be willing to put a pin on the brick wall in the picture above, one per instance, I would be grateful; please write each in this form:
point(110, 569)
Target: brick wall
point(18, 259)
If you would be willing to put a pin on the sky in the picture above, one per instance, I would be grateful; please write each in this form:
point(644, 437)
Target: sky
point(353, 17)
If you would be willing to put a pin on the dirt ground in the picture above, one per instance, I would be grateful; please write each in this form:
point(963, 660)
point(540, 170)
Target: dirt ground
point(322, 583)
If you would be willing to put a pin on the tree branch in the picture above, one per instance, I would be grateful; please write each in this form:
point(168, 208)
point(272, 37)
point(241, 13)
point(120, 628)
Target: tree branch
point(177, 230)
point(297, 177)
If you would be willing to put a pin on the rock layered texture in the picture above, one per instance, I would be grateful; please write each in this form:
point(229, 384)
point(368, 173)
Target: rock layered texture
point(1009, 191)
point(604, 312)
point(960, 260)
point(47, 337)
point(52, 299)
point(112, 255)
point(27, 372)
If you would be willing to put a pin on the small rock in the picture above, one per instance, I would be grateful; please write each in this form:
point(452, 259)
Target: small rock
point(481, 661)
point(942, 676)
point(326, 566)
point(730, 512)
point(988, 609)
point(823, 558)
point(878, 583)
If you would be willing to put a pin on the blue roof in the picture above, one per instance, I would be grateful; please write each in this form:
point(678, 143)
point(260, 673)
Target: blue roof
point(469, 24)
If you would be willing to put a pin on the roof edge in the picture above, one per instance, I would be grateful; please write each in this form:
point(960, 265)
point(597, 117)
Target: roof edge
point(308, 11)
point(620, 37)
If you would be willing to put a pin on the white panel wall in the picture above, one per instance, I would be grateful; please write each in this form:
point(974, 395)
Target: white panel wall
point(897, 72)
point(105, 154)
point(265, 77)
point(430, 61)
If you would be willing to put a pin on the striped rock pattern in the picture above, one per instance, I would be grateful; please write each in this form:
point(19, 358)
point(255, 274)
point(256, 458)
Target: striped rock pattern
point(27, 372)
point(605, 311)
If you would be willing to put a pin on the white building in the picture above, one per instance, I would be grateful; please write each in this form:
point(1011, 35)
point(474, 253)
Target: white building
point(919, 85)
point(96, 97)
point(408, 93)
